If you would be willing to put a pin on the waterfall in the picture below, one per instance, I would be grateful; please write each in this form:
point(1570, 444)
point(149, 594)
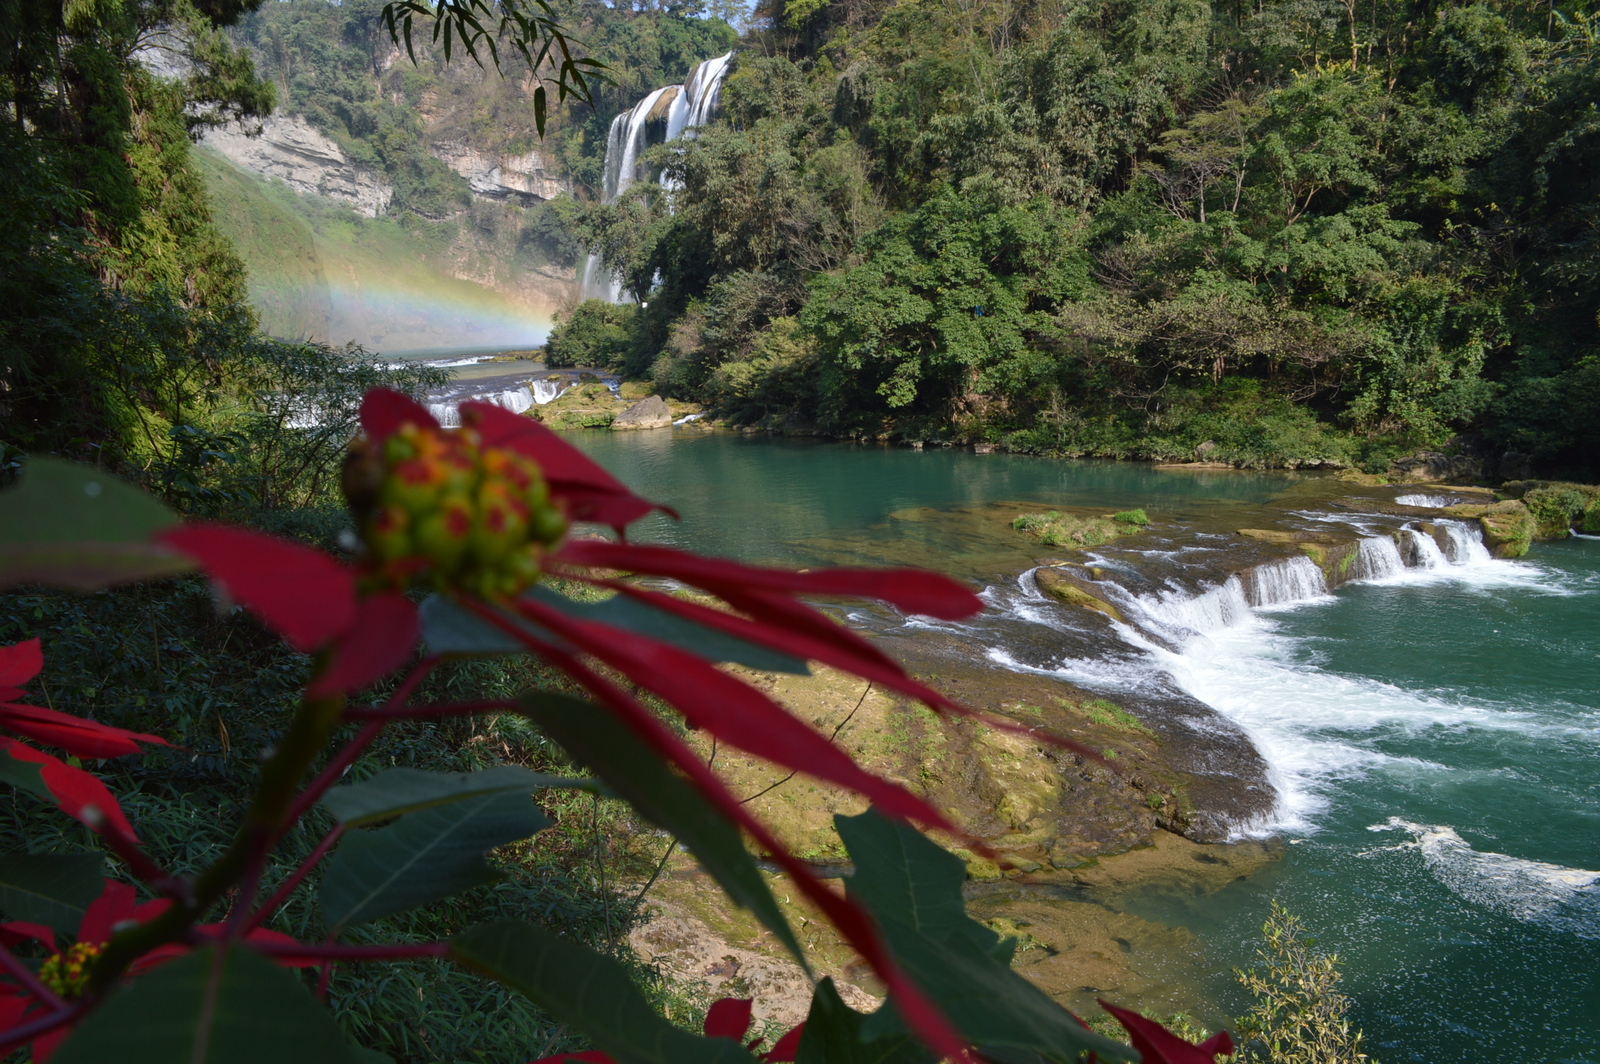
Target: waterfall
point(547, 391)
point(1289, 580)
point(1432, 502)
point(448, 413)
point(1463, 543)
point(1421, 552)
point(1377, 558)
point(670, 113)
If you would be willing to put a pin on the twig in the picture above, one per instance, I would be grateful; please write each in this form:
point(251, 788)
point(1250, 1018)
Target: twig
point(288, 886)
point(859, 703)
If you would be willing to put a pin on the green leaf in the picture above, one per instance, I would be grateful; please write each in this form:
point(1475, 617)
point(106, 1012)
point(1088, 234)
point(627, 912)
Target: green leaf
point(257, 1013)
point(449, 629)
point(71, 525)
point(912, 888)
point(591, 992)
point(50, 889)
point(834, 1035)
point(408, 790)
point(24, 775)
point(595, 739)
point(423, 856)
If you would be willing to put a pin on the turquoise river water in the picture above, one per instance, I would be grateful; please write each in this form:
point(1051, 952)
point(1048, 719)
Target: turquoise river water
point(1434, 733)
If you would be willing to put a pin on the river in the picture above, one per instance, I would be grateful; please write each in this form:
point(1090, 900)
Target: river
point(1434, 733)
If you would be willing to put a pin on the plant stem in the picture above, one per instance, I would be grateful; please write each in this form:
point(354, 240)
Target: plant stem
point(305, 737)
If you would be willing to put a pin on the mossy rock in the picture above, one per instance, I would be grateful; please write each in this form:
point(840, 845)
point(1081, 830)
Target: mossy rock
point(1269, 535)
point(978, 867)
point(1508, 527)
point(1056, 529)
point(1064, 588)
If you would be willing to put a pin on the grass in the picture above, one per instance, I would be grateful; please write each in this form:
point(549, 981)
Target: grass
point(1110, 715)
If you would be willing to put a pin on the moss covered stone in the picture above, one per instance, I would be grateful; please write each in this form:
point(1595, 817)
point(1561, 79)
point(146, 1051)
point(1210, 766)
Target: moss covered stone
point(1064, 588)
point(1508, 527)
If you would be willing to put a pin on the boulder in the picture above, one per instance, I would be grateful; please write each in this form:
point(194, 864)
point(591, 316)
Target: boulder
point(650, 413)
point(1065, 588)
point(1433, 466)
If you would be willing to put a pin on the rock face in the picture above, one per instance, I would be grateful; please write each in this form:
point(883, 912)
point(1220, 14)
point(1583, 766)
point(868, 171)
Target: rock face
point(651, 413)
point(525, 178)
point(306, 160)
point(1431, 466)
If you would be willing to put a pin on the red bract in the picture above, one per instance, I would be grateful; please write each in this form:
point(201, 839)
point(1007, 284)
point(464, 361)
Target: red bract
point(1157, 1045)
point(75, 735)
point(302, 594)
point(306, 597)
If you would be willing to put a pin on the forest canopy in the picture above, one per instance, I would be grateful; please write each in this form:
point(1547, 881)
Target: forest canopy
point(1293, 232)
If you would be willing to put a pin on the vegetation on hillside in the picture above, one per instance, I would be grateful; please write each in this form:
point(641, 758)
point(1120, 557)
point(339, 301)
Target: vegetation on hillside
point(1281, 233)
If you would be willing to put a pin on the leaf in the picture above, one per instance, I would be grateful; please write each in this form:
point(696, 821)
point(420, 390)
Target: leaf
point(423, 857)
point(20, 662)
point(913, 890)
point(302, 594)
point(80, 794)
point(449, 629)
point(408, 790)
point(1157, 1045)
point(50, 889)
point(833, 1035)
point(380, 639)
point(75, 735)
point(641, 618)
point(733, 711)
point(259, 1014)
point(383, 410)
point(594, 738)
point(728, 1018)
point(591, 992)
point(912, 590)
point(23, 775)
point(63, 502)
point(591, 494)
point(73, 526)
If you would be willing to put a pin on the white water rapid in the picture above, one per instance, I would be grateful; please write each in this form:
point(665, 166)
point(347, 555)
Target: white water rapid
point(670, 113)
point(1221, 645)
point(548, 391)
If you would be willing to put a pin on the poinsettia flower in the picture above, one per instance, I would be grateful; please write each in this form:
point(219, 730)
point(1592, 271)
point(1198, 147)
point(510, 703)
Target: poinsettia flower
point(116, 908)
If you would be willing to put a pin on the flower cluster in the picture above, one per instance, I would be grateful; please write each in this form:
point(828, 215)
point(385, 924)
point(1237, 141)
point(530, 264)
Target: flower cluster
point(438, 502)
point(67, 972)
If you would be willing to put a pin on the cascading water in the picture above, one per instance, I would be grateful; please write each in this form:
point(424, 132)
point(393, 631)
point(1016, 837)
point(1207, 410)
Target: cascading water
point(548, 391)
point(1282, 582)
point(448, 413)
point(1463, 543)
point(1420, 551)
point(669, 113)
point(1377, 558)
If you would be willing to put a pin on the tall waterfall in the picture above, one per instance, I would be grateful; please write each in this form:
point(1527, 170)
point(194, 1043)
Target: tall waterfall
point(667, 114)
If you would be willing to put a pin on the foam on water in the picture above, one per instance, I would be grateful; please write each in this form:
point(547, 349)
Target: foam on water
point(1561, 898)
point(1224, 646)
point(1432, 502)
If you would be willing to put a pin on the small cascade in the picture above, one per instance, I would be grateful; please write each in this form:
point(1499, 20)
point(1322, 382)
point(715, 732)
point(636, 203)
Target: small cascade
point(1377, 558)
point(1419, 551)
point(1281, 582)
point(548, 391)
point(1463, 543)
point(1432, 502)
point(448, 413)
point(670, 113)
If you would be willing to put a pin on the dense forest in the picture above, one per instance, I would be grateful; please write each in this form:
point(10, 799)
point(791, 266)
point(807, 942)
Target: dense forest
point(1297, 232)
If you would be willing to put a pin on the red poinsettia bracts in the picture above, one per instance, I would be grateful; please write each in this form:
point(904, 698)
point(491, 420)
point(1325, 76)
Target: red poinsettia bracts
point(79, 794)
point(115, 909)
point(1157, 1045)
